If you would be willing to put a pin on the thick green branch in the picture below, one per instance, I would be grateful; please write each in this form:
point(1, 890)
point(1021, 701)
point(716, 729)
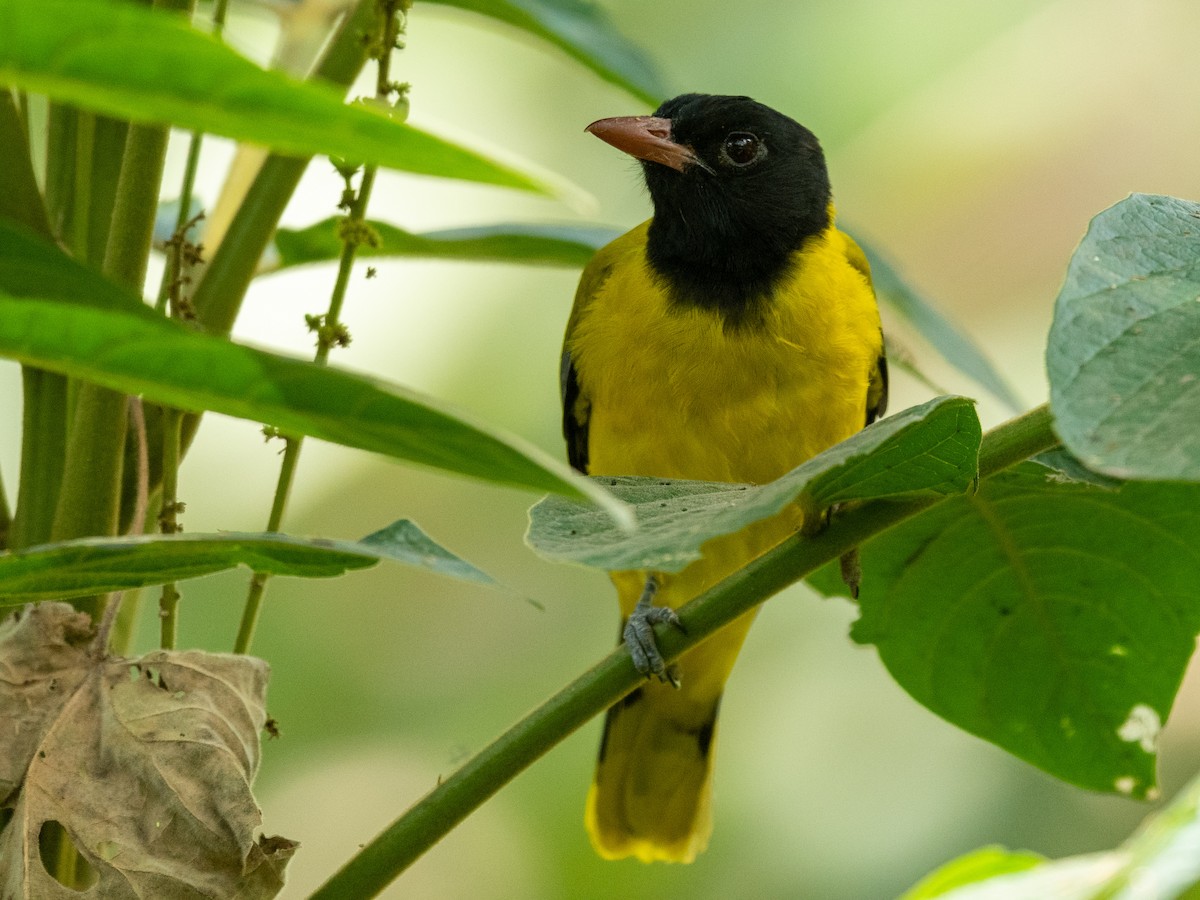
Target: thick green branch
point(451, 801)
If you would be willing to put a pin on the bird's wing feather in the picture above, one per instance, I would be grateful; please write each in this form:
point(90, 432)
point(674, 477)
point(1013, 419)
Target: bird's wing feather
point(877, 388)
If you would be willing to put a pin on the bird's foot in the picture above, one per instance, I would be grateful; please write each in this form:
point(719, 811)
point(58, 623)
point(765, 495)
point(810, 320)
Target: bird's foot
point(639, 635)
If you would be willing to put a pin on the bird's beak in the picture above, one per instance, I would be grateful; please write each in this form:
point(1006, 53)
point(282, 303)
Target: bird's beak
point(646, 137)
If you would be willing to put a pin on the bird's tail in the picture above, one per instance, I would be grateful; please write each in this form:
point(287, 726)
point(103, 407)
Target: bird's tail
point(651, 795)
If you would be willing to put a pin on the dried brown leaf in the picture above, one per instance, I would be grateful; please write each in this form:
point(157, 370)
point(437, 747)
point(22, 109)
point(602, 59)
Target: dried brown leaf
point(146, 763)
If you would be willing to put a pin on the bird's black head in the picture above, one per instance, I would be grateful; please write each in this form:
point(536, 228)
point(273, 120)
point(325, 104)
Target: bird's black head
point(737, 188)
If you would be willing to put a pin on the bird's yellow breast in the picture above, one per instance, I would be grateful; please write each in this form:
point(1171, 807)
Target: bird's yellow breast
point(675, 394)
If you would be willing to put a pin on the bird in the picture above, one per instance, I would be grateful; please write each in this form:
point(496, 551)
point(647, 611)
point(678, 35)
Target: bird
point(731, 337)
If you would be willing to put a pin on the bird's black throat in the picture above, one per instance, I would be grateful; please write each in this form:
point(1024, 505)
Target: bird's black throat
point(729, 275)
point(726, 231)
point(709, 260)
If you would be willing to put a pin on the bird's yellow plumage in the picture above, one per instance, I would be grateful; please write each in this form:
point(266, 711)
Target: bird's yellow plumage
point(656, 385)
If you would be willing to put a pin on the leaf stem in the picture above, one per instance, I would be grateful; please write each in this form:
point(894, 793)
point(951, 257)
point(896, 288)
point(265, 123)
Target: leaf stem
point(168, 519)
point(174, 269)
point(85, 140)
point(329, 328)
point(258, 581)
point(401, 843)
point(221, 290)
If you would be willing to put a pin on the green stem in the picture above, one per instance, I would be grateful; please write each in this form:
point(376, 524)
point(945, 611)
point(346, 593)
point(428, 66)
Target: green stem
point(258, 582)
point(169, 523)
point(172, 271)
point(43, 456)
point(90, 500)
point(328, 332)
point(227, 276)
point(43, 428)
point(85, 141)
point(402, 842)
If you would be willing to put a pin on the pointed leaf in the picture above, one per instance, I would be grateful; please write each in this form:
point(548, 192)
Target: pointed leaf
point(954, 344)
point(931, 448)
point(1053, 618)
point(147, 65)
point(84, 326)
point(1124, 350)
point(583, 30)
point(547, 244)
point(90, 566)
point(146, 763)
point(174, 366)
point(976, 866)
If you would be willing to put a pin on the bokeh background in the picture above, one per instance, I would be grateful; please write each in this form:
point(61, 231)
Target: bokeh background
point(971, 142)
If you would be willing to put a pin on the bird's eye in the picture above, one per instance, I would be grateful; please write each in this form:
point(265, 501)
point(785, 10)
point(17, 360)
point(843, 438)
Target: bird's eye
point(741, 148)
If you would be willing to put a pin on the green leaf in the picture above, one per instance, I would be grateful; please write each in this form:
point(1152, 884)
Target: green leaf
point(1124, 349)
point(547, 244)
point(118, 342)
point(148, 65)
point(171, 365)
point(947, 338)
point(91, 566)
point(978, 865)
point(1052, 618)
point(1068, 468)
point(929, 449)
point(583, 30)
point(1162, 859)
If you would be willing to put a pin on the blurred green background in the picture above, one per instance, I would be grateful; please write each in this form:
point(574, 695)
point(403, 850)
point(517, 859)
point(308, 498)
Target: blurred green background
point(971, 142)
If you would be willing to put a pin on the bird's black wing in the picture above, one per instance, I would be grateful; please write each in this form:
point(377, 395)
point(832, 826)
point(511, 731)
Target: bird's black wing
point(576, 412)
point(877, 389)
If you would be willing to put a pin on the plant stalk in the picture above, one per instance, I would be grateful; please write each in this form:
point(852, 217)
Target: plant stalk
point(90, 500)
point(329, 329)
point(401, 843)
point(168, 608)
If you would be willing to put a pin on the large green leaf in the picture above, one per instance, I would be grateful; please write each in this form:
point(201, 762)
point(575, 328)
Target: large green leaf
point(76, 323)
point(932, 448)
point(584, 31)
point(546, 244)
point(172, 365)
point(148, 65)
point(90, 566)
point(1124, 350)
point(1053, 618)
point(954, 344)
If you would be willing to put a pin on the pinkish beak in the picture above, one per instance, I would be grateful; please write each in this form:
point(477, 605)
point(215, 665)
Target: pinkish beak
point(646, 137)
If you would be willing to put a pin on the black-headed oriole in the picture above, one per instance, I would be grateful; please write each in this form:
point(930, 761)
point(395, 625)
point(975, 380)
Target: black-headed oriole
point(730, 338)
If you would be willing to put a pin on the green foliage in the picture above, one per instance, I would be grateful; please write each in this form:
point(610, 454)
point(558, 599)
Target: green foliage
point(582, 30)
point(1160, 860)
point(1054, 619)
point(558, 245)
point(171, 364)
point(927, 450)
point(1124, 354)
point(1047, 605)
point(150, 66)
point(89, 566)
point(978, 865)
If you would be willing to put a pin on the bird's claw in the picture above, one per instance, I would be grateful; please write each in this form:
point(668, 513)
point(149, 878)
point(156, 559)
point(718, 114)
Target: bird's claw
point(639, 635)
